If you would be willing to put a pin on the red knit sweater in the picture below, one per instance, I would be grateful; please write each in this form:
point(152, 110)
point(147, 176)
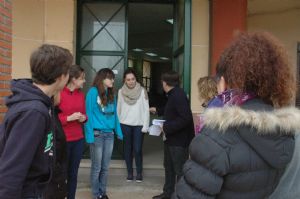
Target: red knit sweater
point(71, 102)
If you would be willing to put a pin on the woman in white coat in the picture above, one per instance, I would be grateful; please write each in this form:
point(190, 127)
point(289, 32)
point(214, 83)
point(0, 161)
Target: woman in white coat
point(133, 112)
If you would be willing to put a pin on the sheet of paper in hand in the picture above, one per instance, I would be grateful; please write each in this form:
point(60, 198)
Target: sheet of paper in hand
point(155, 128)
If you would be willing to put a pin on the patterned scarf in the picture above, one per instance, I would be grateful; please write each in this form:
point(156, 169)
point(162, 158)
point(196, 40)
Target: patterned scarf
point(231, 97)
point(132, 95)
point(227, 98)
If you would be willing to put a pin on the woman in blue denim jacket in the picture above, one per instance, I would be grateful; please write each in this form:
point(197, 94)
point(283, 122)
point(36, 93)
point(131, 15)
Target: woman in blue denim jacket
point(100, 128)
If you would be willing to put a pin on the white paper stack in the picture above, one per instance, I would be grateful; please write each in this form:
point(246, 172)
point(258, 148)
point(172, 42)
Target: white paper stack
point(156, 128)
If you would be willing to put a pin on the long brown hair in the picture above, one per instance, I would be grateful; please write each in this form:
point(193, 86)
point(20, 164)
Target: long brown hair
point(102, 74)
point(258, 63)
point(75, 72)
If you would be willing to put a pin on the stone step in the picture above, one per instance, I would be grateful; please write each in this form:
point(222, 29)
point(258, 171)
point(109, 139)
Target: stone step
point(152, 173)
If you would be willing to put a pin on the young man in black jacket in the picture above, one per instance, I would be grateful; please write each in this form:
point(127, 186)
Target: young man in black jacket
point(26, 134)
point(178, 130)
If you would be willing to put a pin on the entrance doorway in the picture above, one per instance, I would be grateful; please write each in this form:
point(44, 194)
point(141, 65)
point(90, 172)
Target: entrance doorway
point(150, 46)
point(152, 36)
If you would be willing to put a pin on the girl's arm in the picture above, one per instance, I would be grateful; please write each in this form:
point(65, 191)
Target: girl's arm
point(89, 106)
point(146, 116)
point(118, 129)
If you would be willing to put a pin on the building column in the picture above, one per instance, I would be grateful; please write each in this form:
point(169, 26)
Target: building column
point(5, 52)
point(227, 18)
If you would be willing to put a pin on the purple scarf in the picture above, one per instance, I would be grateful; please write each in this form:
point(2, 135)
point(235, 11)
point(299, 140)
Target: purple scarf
point(231, 97)
point(227, 98)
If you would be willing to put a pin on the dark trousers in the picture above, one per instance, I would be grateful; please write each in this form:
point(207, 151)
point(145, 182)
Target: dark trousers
point(133, 145)
point(174, 159)
point(75, 150)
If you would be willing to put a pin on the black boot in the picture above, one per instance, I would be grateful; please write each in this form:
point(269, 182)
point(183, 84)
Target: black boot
point(161, 196)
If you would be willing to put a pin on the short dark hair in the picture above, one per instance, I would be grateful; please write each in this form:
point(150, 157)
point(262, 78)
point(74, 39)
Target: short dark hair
point(49, 62)
point(75, 72)
point(171, 78)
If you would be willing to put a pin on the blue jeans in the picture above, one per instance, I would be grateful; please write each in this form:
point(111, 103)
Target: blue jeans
point(75, 150)
point(101, 151)
point(133, 145)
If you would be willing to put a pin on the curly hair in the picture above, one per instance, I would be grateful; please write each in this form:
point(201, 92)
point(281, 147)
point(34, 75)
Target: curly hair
point(258, 63)
point(207, 88)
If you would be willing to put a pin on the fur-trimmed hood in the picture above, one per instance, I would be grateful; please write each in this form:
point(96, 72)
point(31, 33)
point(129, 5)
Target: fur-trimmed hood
point(284, 120)
point(268, 131)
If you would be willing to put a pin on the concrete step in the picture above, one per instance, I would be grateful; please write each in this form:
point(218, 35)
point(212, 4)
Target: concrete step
point(152, 173)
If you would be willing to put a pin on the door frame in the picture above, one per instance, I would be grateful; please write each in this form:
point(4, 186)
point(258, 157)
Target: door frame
point(186, 48)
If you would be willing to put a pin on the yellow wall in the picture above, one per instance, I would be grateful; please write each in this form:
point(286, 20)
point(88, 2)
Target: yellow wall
point(200, 48)
point(36, 22)
point(285, 25)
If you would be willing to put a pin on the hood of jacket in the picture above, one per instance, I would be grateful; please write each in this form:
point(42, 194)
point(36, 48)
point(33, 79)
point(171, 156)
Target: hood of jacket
point(23, 90)
point(265, 129)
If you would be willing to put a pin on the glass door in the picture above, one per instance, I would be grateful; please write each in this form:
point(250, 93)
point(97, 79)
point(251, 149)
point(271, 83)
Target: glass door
point(182, 42)
point(102, 42)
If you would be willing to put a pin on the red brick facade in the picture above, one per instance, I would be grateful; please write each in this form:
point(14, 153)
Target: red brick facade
point(5, 51)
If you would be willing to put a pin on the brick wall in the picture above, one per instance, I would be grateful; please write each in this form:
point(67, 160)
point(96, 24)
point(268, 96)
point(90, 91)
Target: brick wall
point(5, 52)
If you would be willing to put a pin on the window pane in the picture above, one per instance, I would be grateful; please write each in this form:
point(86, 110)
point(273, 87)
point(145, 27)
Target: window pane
point(180, 22)
point(98, 36)
point(92, 64)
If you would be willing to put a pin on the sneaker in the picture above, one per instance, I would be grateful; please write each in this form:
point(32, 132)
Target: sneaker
point(139, 178)
point(102, 197)
point(129, 177)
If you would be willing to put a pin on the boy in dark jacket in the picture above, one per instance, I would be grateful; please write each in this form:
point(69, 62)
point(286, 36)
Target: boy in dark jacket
point(26, 134)
point(178, 130)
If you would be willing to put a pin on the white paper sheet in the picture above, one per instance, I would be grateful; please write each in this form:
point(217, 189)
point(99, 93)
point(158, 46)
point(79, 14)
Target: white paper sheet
point(155, 128)
point(158, 122)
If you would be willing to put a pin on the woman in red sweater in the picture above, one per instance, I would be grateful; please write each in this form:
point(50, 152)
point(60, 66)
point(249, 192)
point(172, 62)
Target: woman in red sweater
point(72, 117)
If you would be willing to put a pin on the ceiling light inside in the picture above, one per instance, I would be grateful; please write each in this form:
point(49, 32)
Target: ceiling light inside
point(170, 21)
point(151, 54)
point(164, 58)
point(137, 50)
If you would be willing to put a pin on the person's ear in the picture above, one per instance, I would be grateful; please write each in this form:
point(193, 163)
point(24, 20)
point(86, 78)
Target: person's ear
point(221, 85)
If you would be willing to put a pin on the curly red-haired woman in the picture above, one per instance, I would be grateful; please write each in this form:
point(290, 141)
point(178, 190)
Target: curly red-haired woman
point(244, 146)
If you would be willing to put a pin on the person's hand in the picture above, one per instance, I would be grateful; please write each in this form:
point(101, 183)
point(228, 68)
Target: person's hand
point(119, 138)
point(144, 130)
point(74, 116)
point(82, 118)
point(152, 110)
point(162, 127)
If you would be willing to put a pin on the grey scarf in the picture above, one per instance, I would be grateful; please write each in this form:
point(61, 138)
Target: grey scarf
point(132, 95)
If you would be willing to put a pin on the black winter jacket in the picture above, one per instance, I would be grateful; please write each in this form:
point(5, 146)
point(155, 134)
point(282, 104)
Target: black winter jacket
point(179, 126)
point(240, 153)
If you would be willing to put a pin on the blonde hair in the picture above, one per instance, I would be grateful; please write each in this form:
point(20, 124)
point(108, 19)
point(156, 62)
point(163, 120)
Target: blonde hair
point(207, 88)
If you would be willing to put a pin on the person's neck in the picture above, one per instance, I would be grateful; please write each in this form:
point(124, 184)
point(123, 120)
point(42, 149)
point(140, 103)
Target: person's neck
point(71, 87)
point(49, 90)
point(168, 88)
